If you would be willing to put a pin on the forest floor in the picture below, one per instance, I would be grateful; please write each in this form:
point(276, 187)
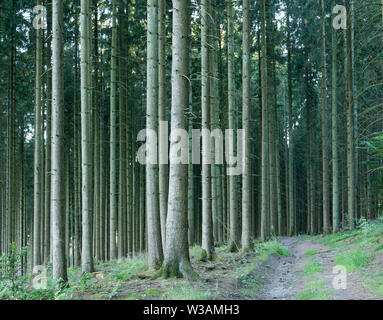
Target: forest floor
point(296, 268)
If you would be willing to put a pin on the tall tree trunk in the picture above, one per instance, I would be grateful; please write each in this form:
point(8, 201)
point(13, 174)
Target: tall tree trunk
point(113, 139)
point(350, 127)
point(335, 146)
point(38, 149)
point(325, 182)
point(246, 177)
point(177, 262)
point(291, 137)
point(47, 198)
point(233, 195)
point(264, 165)
point(76, 159)
point(58, 171)
point(191, 185)
point(96, 135)
point(86, 147)
point(155, 253)
point(207, 219)
point(163, 168)
point(122, 191)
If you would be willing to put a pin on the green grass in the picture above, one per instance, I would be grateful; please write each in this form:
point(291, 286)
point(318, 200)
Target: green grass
point(335, 240)
point(314, 295)
point(185, 291)
point(127, 269)
point(312, 267)
point(378, 247)
point(354, 259)
point(376, 284)
point(275, 247)
point(251, 285)
point(365, 233)
point(310, 252)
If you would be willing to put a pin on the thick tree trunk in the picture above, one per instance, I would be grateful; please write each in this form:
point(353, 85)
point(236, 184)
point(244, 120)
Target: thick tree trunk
point(177, 262)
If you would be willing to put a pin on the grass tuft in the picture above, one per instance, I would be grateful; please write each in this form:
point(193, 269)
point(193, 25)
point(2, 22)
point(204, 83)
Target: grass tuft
point(312, 267)
point(275, 247)
point(353, 260)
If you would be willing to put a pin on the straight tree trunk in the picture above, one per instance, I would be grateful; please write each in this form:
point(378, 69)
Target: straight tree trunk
point(246, 177)
point(233, 195)
point(325, 182)
point(264, 164)
point(350, 129)
point(77, 161)
point(122, 191)
point(163, 168)
point(38, 150)
point(177, 262)
point(335, 146)
point(155, 253)
point(47, 198)
point(58, 170)
point(207, 219)
point(291, 137)
point(113, 140)
point(86, 147)
point(96, 136)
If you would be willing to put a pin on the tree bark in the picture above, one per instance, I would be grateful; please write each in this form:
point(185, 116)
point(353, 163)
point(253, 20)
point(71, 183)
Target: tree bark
point(58, 171)
point(155, 253)
point(86, 165)
point(38, 150)
point(177, 262)
point(113, 139)
point(334, 115)
point(246, 177)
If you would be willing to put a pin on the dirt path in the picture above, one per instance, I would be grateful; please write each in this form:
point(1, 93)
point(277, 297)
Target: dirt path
point(242, 276)
point(285, 278)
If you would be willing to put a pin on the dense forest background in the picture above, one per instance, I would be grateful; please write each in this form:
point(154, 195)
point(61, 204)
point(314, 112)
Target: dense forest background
point(74, 96)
